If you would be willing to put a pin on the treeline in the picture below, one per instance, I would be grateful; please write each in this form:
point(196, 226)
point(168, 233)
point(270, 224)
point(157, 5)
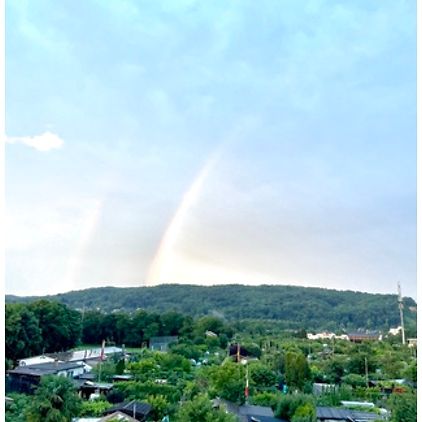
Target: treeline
point(45, 326)
point(297, 307)
point(41, 326)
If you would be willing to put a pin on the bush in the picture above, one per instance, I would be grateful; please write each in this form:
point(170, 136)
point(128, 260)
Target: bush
point(94, 408)
point(288, 404)
point(305, 413)
point(266, 399)
point(354, 380)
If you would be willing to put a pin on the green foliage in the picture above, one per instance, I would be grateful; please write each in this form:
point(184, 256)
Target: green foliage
point(354, 380)
point(16, 411)
point(333, 396)
point(104, 371)
point(94, 408)
point(228, 381)
point(297, 369)
point(252, 349)
point(135, 390)
point(334, 369)
point(160, 406)
point(188, 350)
point(305, 413)
point(145, 369)
point(55, 400)
point(410, 372)
point(288, 405)
point(60, 326)
point(22, 330)
point(261, 375)
point(120, 367)
point(403, 407)
point(200, 410)
point(265, 398)
point(356, 364)
point(296, 307)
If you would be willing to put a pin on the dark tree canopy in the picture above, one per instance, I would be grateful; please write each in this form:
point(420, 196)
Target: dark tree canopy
point(297, 307)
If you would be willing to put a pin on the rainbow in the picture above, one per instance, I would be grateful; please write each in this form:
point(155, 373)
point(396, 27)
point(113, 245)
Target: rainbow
point(164, 259)
point(89, 224)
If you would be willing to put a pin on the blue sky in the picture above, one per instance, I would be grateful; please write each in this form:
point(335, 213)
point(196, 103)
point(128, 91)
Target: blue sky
point(211, 142)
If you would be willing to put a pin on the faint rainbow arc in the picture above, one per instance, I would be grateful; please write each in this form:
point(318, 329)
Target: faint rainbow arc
point(160, 267)
point(89, 224)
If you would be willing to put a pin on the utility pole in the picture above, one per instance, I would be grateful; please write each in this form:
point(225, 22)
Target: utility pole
point(366, 372)
point(401, 313)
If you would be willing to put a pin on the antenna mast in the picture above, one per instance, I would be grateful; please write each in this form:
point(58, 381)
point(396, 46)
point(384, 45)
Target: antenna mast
point(401, 313)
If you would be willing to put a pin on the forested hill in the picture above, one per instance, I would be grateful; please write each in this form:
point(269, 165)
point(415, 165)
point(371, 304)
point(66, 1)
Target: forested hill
point(311, 308)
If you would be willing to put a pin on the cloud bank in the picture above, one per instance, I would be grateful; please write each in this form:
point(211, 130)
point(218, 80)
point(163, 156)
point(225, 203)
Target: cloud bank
point(45, 142)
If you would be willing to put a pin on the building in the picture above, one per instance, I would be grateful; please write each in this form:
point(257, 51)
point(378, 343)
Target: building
point(360, 336)
point(86, 388)
point(25, 379)
point(335, 414)
point(412, 342)
point(135, 409)
point(35, 360)
point(322, 388)
point(116, 416)
point(394, 331)
point(90, 356)
point(246, 412)
point(161, 344)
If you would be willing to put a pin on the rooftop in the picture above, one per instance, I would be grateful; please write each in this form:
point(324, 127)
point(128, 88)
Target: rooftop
point(48, 368)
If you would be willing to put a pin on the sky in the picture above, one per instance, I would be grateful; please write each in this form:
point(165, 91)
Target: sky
point(210, 142)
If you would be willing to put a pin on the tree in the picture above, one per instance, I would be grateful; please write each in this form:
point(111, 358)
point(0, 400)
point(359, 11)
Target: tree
point(297, 369)
point(94, 408)
point(334, 369)
point(305, 413)
point(120, 367)
point(91, 329)
point(290, 403)
point(60, 326)
point(160, 406)
point(15, 411)
point(261, 375)
point(354, 380)
point(55, 400)
point(356, 364)
point(228, 381)
point(104, 371)
point(23, 334)
point(403, 407)
point(200, 410)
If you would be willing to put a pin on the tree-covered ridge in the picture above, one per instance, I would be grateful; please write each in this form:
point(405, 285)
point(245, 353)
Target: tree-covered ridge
point(313, 308)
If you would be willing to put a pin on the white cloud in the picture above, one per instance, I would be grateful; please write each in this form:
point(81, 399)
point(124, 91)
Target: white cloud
point(44, 142)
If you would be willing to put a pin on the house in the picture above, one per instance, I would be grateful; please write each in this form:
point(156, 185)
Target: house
point(360, 336)
point(135, 409)
point(116, 416)
point(326, 336)
point(412, 342)
point(161, 344)
point(24, 379)
point(123, 377)
point(334, 414)
point(35, 360)
point(87, 387)
point(322, 388)
point(246, 412)
point(395, 331)
point(90, 356)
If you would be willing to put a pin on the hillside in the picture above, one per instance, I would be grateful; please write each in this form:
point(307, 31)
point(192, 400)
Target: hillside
point(297, 307)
